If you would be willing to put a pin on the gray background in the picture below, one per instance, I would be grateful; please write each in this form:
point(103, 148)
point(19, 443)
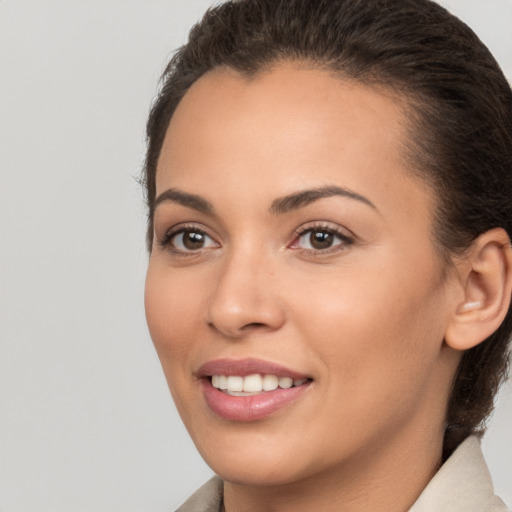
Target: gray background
point(86, 421)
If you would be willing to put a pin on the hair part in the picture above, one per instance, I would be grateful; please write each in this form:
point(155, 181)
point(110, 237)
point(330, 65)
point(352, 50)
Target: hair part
point(458, 110)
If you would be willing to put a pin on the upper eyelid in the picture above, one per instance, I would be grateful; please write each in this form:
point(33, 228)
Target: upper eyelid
point(330, 229)
point(325, 225)
point(166, 219)
point(184, 226)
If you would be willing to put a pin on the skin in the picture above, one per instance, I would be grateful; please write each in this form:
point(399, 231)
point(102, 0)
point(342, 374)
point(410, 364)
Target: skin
point(366, 320)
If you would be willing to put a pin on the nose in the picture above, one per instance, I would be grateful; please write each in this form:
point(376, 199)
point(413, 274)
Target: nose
point(244, 299)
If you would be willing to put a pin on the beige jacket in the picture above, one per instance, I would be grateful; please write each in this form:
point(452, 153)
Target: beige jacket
point(463, 484)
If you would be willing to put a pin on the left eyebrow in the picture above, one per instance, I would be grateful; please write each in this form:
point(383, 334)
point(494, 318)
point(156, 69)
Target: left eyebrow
point(305, 197)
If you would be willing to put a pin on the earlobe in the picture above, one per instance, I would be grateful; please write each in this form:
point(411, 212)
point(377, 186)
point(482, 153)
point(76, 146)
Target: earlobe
point(487, 286)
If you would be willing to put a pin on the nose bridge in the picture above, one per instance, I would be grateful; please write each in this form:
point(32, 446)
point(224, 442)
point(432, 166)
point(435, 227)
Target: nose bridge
point(244, 298)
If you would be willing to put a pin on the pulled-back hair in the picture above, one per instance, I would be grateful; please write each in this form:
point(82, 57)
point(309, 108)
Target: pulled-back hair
point(458, 108)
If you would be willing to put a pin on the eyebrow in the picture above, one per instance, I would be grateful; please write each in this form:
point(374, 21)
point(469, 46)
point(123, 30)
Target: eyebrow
point(279, 206)
point(305, 197)
point(185, 199)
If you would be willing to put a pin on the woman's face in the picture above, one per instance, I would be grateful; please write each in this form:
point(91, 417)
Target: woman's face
point(292, 244)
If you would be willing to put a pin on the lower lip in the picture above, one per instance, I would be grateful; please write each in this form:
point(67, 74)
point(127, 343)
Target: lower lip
point(250, 408)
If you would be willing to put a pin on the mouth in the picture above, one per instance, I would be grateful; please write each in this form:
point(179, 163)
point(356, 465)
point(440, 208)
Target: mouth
point(255, 384)
point(250, 389)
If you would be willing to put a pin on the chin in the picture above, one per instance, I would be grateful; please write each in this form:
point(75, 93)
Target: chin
point(264, 471)
point(256, 459)
point(249, 459)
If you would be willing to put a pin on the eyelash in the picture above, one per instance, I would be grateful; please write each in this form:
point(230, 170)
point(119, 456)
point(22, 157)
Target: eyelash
point(345, 240)
point(167, 240)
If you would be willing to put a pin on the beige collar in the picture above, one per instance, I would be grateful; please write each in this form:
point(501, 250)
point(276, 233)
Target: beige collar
point(463, 484)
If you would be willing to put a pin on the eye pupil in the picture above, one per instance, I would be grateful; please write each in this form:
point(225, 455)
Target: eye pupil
point(193, 240)
point(321, 239)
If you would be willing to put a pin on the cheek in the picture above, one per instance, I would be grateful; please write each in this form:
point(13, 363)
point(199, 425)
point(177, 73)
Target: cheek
point(171, 312)
point(172, 317)
point(378, 327)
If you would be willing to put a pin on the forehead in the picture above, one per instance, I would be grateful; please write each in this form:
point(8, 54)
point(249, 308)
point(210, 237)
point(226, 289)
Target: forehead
point(290, 125)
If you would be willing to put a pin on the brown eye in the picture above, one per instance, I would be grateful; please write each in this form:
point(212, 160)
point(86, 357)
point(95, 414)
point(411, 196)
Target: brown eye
point(321, 239)
point(191, 240)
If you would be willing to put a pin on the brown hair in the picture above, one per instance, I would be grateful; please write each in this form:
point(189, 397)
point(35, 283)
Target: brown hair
point(459, 108)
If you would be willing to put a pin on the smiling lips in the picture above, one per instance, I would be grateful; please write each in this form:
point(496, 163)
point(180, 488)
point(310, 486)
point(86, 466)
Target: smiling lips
point(250, 389)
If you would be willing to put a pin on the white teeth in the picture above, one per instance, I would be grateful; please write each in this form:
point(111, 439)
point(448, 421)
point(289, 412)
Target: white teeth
point(223, 382)
point(253, 384)
point(270, 382)
point(235, 383)
point(285, 382)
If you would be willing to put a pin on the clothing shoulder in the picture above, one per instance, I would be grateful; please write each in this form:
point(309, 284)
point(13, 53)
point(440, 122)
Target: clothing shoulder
point(207, 498)
point(463, 484)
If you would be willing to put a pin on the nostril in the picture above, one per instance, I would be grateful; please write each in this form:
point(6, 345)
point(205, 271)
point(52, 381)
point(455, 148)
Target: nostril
point(241, 331)
point(253, 325)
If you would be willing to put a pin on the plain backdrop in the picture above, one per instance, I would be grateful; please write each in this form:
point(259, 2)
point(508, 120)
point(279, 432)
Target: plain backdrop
point(86, 420)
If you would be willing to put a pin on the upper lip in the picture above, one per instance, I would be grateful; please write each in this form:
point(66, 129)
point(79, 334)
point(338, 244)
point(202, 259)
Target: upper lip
point(243, 367)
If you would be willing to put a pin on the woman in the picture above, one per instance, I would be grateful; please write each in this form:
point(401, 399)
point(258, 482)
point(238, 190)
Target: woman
point(329, 286)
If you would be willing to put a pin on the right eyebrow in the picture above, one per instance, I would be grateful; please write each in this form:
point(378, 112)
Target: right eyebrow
point(185, 199)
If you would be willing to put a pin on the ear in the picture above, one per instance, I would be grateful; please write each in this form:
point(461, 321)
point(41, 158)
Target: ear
point(485, 274)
